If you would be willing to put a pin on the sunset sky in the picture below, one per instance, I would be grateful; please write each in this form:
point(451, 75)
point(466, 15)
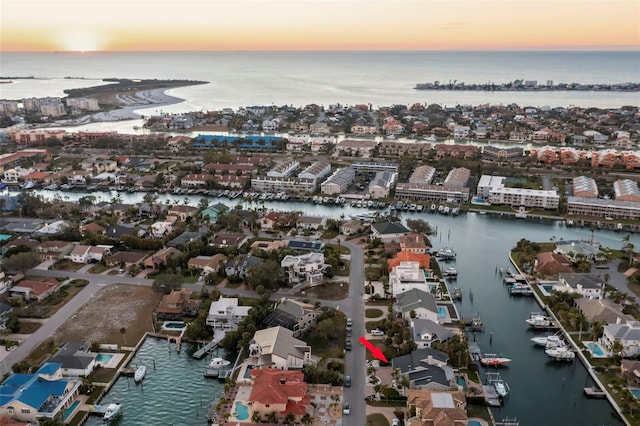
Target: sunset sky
point(143, 25)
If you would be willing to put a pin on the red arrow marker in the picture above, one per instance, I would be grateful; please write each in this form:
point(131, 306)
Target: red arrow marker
point(376, 352)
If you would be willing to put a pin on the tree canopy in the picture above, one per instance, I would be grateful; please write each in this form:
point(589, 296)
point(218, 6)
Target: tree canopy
point(165, 283)
point(21, 262)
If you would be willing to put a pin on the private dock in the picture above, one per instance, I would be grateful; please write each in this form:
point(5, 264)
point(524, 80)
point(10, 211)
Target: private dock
point(595, 392)
point(217, 373)
point(128, 371)
point(520, 290)
point(200, 353)
point(491, 396)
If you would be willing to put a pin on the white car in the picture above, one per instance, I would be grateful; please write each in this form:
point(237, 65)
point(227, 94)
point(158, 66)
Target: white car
point(396, 422)
point(347, 408)
point(376, 332)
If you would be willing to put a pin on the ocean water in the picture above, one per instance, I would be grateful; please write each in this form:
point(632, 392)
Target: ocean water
point(239, 79)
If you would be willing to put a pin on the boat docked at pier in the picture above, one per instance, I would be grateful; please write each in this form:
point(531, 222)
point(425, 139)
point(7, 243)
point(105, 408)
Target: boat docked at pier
point(446, 253)
point(561, 353)
point(450, 273)
point(492, 360)
point(219, 363)
point(537, 320)
point(549, 342)
point(109, 412)
point(501, 387)
point(367, 217)
point(139, 374)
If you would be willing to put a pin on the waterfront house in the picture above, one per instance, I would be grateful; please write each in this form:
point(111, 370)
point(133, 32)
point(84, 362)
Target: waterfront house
point(407, 276)
point(43, 394)
point(630, 372)
point(425, 368)
point(295, 315)
point(423, 259)
point(443, 407)
point(416, 303)
point(311, 222)
point(351, 227)
point(413, 243)
point(549, 264)
point(207, 264)
point(226, 313)
point(586, 285)
point(307, 268)
point(284, 392)
point(574, 250)
point(182, 212)
point(426, 332)
point(388, 231)
point(195, 180)
point(275, 347)
point(35, 290)
point(177, 304)
point(241, 264)
point(212, 213)
point(75, 361)
point(160, 258)
point(628, 334)
point(605, 310)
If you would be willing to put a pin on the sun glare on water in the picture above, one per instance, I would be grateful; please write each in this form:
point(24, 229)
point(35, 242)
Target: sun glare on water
point(81, 41)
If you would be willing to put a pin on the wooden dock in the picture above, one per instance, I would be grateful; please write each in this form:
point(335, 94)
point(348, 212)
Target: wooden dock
point(200, 353)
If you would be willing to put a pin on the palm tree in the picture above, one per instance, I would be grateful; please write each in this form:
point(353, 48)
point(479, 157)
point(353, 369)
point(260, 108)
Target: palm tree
point(256, 417)
point(307, 419)
point(272, 417)
point(289, 419)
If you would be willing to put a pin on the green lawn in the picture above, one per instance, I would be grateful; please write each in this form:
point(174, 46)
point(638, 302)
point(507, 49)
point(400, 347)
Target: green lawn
point(373, 313)
point(377, 419)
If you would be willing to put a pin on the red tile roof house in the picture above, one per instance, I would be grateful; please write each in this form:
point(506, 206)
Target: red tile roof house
point(35, 290)
point(281, 391)
point(160, 257)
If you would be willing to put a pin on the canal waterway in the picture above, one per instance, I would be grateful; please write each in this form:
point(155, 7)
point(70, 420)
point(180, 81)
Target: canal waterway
point(173, 392)
point(542, 392)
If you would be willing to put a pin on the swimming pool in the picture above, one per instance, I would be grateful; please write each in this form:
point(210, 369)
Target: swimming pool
point(241, 412)
point(104, 359)
point(474, 423)
point(635, 392)
point(247, 371)
point(442, 312)
point(461, 382)
point(68, 411)
point(595, 348)
point(173, 325)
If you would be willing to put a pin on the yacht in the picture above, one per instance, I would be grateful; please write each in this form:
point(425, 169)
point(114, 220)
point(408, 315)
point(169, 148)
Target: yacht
point(112, 412)
point(539, 321)
point(548, 342)
point(433, 208)
point(491, 360)
point(502, 388)
point(218, 363)
point(139, 374)
point(450, 272)
point(446, 253)
point(28, 185)
point(561, 353)
point(369, 217)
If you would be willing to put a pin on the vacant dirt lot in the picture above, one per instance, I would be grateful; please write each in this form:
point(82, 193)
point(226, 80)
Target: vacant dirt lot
point(111, 309)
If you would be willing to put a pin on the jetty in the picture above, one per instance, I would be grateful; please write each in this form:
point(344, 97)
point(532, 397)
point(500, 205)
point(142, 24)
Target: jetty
point(595, 392)
point(491, 397)
point(200, 353)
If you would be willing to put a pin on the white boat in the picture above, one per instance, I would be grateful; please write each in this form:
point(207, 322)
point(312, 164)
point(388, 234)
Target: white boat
point(218, 363)
point(433, 208)
point(112, 412)
point(28, 185)
point(549, 342)
point(450, 272)
point(491, 360)
point(139, 374)
point(502, 389)
point(539, 321)
point(446, 253)
point(370, 216)
point(561, 353)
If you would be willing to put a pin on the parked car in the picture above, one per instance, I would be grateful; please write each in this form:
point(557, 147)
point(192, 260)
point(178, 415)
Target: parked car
point(347, 381)
point(347, 408)
point(395, 422)
point(349, 331)
point(348, 347)
point(376, 332)
point(349, 322)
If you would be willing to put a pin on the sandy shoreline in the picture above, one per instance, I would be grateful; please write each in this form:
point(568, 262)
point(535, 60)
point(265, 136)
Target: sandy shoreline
point(130, 103)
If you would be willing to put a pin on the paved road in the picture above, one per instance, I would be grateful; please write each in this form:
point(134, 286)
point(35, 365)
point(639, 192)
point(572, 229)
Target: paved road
point(96, 282)
point(355, 367)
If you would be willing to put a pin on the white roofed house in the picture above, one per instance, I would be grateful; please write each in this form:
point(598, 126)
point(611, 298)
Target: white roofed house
point(311, 222)
point(226, 313)
point(276, 347)
point(418, 304)
point(586, 285)
point(161, 229)
point(628, 334)
point(88, 254)
point(406, 276)
point(381, 185)
point(307, 268)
